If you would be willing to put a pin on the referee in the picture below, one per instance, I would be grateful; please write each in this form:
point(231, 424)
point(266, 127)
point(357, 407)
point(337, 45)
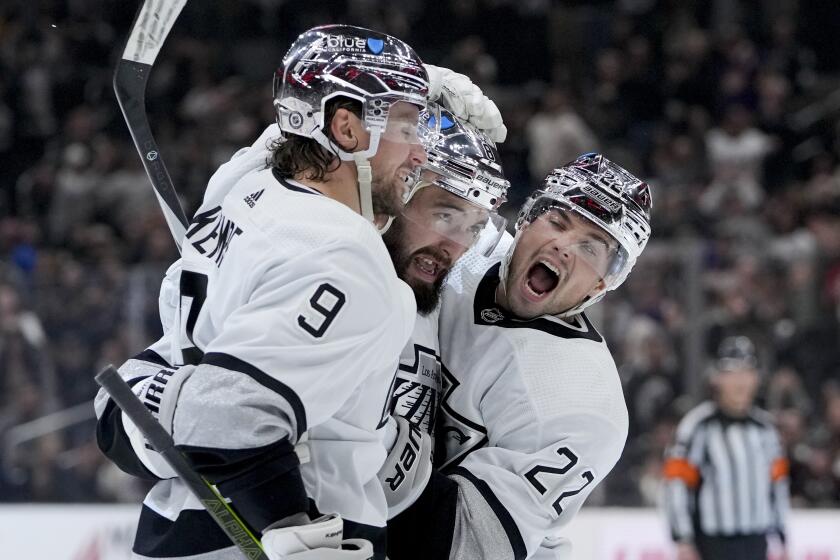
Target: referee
point(725, 476)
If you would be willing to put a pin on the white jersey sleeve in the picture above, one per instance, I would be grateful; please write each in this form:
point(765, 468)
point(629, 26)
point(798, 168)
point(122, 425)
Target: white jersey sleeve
point(549, 443)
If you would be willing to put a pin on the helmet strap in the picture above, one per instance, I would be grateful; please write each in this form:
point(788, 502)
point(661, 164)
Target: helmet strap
point(384, 229)
point(365, 177)
point(364, 173)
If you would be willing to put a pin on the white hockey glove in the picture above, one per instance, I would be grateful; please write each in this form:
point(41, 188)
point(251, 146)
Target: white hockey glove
point(159, 392)
point(457, 93)
point(408, 467)
point(319, 539)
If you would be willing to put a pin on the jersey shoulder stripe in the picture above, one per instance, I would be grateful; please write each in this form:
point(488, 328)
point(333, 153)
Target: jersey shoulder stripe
point(233, 363)
point(487, 312)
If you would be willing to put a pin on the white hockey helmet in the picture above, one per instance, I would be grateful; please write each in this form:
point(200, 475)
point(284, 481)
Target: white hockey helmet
point(463, 162)
point(607, 195)
point(332, 61)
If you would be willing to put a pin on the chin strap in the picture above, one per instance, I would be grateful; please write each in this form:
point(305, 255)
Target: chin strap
point(363, 170)
point(382, 230)
point(365, 176)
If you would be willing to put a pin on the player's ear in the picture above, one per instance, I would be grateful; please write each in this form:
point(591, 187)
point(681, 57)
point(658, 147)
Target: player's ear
point(347, 130)
point(598, 288)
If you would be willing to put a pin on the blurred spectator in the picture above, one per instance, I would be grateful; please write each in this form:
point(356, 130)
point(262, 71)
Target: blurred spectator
point(556, 134)
point(736, 152)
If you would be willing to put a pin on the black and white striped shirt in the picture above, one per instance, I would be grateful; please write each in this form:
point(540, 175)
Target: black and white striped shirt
point(725, 476)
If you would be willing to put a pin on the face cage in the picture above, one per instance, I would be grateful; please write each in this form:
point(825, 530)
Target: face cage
point(617, 269)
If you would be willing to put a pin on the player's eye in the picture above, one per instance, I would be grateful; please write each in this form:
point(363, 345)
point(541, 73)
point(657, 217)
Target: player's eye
point(591, 249)
point(557, 223)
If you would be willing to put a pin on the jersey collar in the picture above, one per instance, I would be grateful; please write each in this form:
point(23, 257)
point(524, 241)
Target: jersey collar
point(487, 312)
point(293, 185)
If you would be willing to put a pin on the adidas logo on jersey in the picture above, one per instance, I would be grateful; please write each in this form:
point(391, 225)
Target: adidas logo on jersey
point(252, 198)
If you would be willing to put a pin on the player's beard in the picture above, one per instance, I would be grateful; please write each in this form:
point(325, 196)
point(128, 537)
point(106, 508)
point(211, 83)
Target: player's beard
point(427, 296)
point(387, 195)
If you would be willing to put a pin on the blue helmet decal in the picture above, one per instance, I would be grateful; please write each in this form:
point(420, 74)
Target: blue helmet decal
point(375, 45)
point(445, 122)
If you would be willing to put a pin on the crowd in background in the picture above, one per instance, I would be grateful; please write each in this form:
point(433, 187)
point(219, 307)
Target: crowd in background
point(731, 110)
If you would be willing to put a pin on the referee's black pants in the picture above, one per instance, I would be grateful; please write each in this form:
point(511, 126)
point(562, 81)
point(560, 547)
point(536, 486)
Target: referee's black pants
point(743, 547)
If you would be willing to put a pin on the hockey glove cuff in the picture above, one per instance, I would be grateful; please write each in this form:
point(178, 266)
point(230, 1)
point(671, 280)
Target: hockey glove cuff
point(319, 539)
point(159, 392)
point(407, 468)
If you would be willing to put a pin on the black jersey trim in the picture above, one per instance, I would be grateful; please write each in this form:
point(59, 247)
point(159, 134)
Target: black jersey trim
point(149, 355)
point(193, 532)
point(235, 364)
point(292, 187)
point(374, 535)
point(447, 429)
point(263, 483)
point(435, 512)
point(517, 544)
point(114, 443)
point(487, 312)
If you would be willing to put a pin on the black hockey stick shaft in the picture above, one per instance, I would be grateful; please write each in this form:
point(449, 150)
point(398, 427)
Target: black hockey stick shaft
point(214, 503)
point(151, 25)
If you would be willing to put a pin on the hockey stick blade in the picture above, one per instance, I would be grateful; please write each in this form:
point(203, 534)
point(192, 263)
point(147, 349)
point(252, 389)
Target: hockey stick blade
point(154, 433)
point(152, 24)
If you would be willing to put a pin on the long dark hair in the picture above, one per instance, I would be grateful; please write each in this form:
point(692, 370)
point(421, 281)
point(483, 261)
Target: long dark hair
point(297, 154)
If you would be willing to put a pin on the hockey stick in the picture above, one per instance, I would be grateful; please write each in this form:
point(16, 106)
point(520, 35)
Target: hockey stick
point(154, 433)
point(152, 24)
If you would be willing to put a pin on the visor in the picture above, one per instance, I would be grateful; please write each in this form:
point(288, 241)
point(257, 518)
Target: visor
point(455, 219)
point(395, 128)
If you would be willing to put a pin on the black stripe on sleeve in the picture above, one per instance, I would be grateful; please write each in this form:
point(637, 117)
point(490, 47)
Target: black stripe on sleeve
point(517, 544)
point(263, 483)
point(424, 530)
point(375, 535)
point(114, 443)
point(193, 532)
point(235, 364)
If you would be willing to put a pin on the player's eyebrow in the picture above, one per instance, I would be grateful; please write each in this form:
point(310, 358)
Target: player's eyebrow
point(450, 206)
point(593, 235)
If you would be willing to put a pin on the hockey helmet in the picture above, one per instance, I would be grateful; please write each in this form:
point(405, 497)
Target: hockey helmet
point(608, 196)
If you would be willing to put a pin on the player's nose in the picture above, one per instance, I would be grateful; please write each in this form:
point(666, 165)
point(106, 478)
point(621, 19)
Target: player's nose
point(417, 154)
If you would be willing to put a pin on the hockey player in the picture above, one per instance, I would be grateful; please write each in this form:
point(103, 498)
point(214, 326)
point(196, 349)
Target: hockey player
point(451, 207)
point(532, 416)
point(290, 319)
point(299, 235)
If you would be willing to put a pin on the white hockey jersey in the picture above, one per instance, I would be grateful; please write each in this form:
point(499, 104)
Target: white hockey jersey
point(532, 418)
point(291, 310)
point(416, 394)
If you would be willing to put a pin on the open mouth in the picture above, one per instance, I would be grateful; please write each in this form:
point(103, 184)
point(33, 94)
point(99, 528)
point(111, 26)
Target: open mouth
point(407, 179)
point(541, 279)
point(427, 268)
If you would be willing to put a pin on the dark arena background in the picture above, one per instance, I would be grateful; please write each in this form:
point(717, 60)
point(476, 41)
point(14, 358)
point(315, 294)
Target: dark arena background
point(729, 108)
